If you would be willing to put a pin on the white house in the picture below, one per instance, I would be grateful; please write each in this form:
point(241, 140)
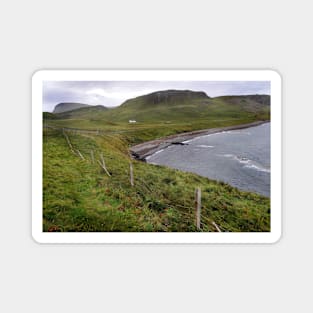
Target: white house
point(132, 121)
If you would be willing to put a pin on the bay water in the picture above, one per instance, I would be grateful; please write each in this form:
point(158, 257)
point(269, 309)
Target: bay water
point(240, 158)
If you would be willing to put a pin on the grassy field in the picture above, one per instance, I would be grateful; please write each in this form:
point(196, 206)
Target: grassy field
point(79, 196)
point(165, 116)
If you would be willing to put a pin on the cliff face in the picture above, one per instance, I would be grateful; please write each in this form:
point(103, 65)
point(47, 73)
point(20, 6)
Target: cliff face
point(175, 96)
point(167, 97)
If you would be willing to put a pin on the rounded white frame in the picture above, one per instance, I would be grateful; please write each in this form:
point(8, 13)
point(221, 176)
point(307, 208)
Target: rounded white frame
point(157, 75)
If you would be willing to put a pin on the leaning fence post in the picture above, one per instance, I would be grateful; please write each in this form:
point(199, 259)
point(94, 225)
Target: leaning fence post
point(79, 153)
point(102, 164)
point(198, 207)
point(68, 141)
point(131, 173)
point(102, 159)
point(217, 228)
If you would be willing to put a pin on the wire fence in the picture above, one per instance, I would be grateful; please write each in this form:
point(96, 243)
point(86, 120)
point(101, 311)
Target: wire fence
point(187, 213)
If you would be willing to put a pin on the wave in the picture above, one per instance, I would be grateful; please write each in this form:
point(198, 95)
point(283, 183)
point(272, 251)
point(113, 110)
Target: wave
point(248, 163)
point(243, 160)
point(157, 152)
point(258, 168)
point(205, 146)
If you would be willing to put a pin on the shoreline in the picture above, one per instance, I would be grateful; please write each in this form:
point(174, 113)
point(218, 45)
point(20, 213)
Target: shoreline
point(143, 150)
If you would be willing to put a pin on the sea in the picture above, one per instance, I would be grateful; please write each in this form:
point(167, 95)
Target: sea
point(241, 158)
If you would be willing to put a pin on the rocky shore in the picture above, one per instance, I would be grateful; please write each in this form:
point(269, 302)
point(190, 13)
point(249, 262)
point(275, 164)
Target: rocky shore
point(143, 150)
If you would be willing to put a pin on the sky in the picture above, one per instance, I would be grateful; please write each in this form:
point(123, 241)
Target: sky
point(114, 93)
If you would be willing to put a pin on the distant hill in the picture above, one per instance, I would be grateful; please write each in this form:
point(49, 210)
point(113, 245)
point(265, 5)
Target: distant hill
point(172, 106)
point(258, 99)
point(185, 105)
point(88, 112)
point(161, 106)
point(68, 106)
point(165, 97)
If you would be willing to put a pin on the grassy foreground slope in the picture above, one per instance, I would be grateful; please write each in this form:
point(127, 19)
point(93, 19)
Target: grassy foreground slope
point(79, 196)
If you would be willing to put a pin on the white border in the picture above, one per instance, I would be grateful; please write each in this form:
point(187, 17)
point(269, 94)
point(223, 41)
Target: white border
point(168, 75)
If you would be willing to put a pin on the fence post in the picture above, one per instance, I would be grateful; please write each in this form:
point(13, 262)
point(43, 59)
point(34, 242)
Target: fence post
point(217, 228)
point(198, 207)
point(102, 159)
point(79, 153)
point(131, 173)
point(68, 141)
point(102, 164)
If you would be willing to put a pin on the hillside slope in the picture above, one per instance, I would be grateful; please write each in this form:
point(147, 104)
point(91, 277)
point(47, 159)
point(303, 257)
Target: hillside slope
point(90, 112)
point(182, 106)
point(68, 106)
point(79, 196)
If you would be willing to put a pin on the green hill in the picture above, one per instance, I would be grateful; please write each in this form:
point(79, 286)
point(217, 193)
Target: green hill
point(167, 112)
point(167, 98)
point(178, 105)
point(68, 106)
point(90, 112)
point(184, 105)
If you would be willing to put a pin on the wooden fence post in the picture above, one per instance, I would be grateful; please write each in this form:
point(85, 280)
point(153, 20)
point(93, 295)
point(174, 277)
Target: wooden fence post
point(68, 141)
point(131, 173)
point(79, 153)
point(102, 159)
point(102, 164)
point(198, 207)
point(217, 228)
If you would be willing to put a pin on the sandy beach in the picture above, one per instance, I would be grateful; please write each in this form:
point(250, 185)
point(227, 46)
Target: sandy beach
point(143, 150)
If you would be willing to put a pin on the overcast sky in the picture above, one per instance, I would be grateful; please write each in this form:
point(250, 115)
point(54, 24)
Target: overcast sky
point(114, 93)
